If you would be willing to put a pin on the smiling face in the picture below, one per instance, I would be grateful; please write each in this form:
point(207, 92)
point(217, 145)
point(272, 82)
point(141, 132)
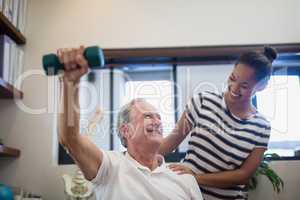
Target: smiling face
point(145, 127)
point(242, 84)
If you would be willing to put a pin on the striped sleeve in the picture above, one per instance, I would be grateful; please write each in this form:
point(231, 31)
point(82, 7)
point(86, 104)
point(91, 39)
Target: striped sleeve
point(263, 140)
point(193, 108)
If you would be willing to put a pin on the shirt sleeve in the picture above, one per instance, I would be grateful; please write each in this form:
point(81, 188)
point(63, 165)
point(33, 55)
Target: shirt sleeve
point(195, 192)
point(193, 107)
point(262, 132)
point(262, 140)
point(109, 164)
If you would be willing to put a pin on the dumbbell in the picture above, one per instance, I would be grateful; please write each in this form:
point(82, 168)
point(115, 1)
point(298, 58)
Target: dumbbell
point(94, 56)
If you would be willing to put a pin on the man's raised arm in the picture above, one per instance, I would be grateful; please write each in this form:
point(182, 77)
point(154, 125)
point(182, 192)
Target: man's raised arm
point(86, 154)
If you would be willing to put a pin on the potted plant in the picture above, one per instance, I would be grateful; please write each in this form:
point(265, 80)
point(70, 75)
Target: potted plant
point(266, 170)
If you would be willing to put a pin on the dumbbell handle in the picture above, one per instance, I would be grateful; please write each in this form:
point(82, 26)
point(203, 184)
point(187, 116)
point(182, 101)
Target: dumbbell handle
point(94, 56)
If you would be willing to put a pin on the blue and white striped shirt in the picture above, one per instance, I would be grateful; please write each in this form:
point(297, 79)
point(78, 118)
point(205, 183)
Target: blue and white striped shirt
point(221, 141)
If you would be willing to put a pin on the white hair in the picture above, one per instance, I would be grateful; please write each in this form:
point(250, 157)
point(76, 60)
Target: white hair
point(124, 117)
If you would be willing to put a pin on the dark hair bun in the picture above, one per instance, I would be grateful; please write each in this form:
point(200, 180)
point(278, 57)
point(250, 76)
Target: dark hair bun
point(270, 53)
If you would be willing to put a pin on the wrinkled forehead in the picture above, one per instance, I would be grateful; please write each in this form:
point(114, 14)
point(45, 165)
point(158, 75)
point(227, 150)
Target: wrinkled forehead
point(141, 107)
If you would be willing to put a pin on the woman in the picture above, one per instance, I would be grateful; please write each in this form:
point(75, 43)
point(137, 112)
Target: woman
point(228, 136)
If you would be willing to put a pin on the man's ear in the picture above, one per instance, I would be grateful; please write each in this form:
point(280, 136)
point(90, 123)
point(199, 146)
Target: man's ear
point(124, 130)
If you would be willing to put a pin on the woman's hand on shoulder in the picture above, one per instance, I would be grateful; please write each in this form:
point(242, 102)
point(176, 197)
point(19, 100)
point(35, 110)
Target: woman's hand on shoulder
point(181, 169)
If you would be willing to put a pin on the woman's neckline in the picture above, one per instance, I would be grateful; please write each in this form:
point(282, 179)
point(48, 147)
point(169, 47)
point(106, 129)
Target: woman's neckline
point(224, 104)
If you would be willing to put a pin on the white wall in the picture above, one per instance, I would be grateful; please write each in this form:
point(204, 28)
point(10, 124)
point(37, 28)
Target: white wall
point(127, 23)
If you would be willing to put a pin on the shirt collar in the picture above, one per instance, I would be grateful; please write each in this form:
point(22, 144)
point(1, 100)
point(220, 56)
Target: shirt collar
point(160, 168)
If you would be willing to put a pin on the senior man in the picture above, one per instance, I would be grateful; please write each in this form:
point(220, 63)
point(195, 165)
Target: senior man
point(138, 174)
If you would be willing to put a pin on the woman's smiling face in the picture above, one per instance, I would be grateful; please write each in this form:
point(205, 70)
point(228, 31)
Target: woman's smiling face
point(241, 84)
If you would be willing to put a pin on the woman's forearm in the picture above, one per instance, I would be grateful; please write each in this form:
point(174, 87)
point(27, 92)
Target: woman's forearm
point(231, 178)
point(223, 179)
point(170, 143)
point(178, 134)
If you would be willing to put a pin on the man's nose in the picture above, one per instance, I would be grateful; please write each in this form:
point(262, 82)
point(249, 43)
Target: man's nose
point(157, 120)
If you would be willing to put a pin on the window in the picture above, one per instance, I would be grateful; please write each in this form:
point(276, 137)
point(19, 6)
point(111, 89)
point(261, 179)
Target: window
point(138, 63)
point(280, 104)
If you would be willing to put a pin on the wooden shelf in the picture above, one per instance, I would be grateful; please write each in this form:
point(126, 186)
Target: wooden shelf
point(7, 91)
point(7, 28)
point(9, 152)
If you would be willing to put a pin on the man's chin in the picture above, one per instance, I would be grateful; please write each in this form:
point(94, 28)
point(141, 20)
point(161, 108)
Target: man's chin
point(155, 137)
point(155, 134)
